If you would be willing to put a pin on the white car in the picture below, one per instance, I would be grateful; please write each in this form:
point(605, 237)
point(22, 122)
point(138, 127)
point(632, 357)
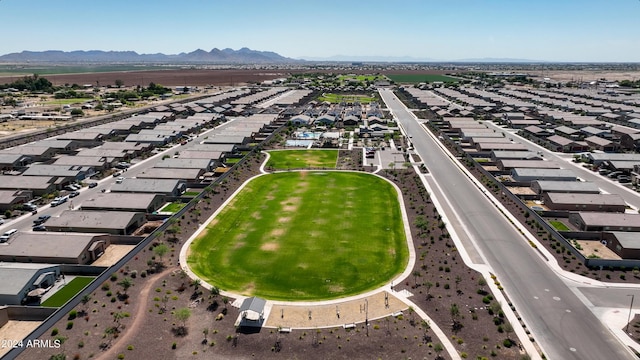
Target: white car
point(119, 180)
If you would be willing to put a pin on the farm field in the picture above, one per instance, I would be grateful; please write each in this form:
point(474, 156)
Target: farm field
point(303, 236)
point(418, 78)
point(296, 159)
point(67, 292)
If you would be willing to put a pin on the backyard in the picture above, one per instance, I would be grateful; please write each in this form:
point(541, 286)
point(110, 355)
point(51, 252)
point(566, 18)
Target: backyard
point(304, 238)
point(67, 292)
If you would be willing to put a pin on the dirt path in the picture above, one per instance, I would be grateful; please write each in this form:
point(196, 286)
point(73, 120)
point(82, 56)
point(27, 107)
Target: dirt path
point(138, 316)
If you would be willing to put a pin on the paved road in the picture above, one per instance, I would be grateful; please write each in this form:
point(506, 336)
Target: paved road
point(560, 322)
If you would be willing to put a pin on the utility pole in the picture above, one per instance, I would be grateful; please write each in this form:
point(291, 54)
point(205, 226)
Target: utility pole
point(629, 317)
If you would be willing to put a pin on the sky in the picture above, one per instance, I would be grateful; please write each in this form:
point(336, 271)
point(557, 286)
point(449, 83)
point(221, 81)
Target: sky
point(543, 30)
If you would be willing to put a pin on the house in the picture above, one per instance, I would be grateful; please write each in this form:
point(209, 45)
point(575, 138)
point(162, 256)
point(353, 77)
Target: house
point(98, 163)
point(38, 185)
point(603, 221)
point(325, 120)
point(109, 222)
point(557, 186)
point(488, 147)
point(64, 173)
point(529, 175)
point(353, 120)
point(630, 141)
point(598, 143)
point(181, 163)
point(301, 120)
point(147, 203)
point(37, 153)
point(189, 176)
point(14, 161)
point(563, 144)
point(507, 164)
point(169, 188)
point(497, 155)
point(567, 132)
point(536, 131)
point(20, 279)
point(251, 312)
point(625, 244)
point(584, 202)
point(51, 247)
point(10, 199)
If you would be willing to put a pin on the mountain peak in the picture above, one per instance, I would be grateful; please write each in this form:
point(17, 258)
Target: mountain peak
point(229, 56)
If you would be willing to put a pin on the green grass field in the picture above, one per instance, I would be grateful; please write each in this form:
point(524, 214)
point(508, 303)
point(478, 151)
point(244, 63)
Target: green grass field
point(173, 207)
point(304, 236)
point(67, 292)
point(559, 225)
point(338, 98)
point(297, 159)
point(419, 78)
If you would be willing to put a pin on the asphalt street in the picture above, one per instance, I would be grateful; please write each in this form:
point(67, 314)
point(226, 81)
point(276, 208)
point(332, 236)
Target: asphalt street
point(560, 322)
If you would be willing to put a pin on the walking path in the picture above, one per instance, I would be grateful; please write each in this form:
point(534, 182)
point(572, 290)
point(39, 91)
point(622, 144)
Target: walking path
point(138, 318)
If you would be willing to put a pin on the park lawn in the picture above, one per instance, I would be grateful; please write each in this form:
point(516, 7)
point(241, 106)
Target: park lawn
point(559, 225)
point(419, 78)
point(304, 236)
point(338, 98)
point(67, 292)
point(173, 207)
point(299, 159)
point(68, 101)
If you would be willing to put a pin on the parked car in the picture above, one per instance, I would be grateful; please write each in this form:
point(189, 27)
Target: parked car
point(74, 194)
point(624, 179)
point(92, 185)
point(5, 237)
point(117, 173)
point(614, 174)
point(59, 200)
point(39, 228)
point(41, 219)
point(119, 180)
point(1, 221)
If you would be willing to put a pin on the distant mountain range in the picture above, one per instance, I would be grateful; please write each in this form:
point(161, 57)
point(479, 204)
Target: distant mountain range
point(215, 56)
point(410, 59)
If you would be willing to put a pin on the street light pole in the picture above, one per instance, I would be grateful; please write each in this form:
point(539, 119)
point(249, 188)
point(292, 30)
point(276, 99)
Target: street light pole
point(629, 317)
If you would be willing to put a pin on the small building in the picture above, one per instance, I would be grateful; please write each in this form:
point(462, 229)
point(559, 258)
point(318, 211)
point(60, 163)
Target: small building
point(598, 143)
point(14, 161)
point(507, 165)
point(10, 199)
point(301, 120)
point(17, 280)
point(251, 312)
point(497, 155)
point(604, 221)
point(630, 141)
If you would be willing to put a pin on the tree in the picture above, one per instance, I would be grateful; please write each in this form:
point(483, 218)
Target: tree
point(458, 281)
point(119, 83)
point(415, 274)
point(182, 315)
point(126, 283)
point(85, 300)
point(215, 291)
point(161, 250)
point(428, 285)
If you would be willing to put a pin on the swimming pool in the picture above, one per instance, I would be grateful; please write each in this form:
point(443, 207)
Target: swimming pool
point(307, 135)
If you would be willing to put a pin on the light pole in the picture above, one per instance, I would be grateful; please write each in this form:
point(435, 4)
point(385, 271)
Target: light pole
point(629, 317)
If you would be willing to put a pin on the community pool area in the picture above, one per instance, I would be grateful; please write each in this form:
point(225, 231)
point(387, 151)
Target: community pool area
point(300, 143)
point(307, 135)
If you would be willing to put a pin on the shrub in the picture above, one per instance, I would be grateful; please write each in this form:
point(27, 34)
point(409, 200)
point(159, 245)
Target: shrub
point(105, 287)
point(120, 356)
point(174, 346)
point(130, 347)
point(54, 331)
point(69, 325)
point(507, 343)
point(73, 314)
point(114, 277)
